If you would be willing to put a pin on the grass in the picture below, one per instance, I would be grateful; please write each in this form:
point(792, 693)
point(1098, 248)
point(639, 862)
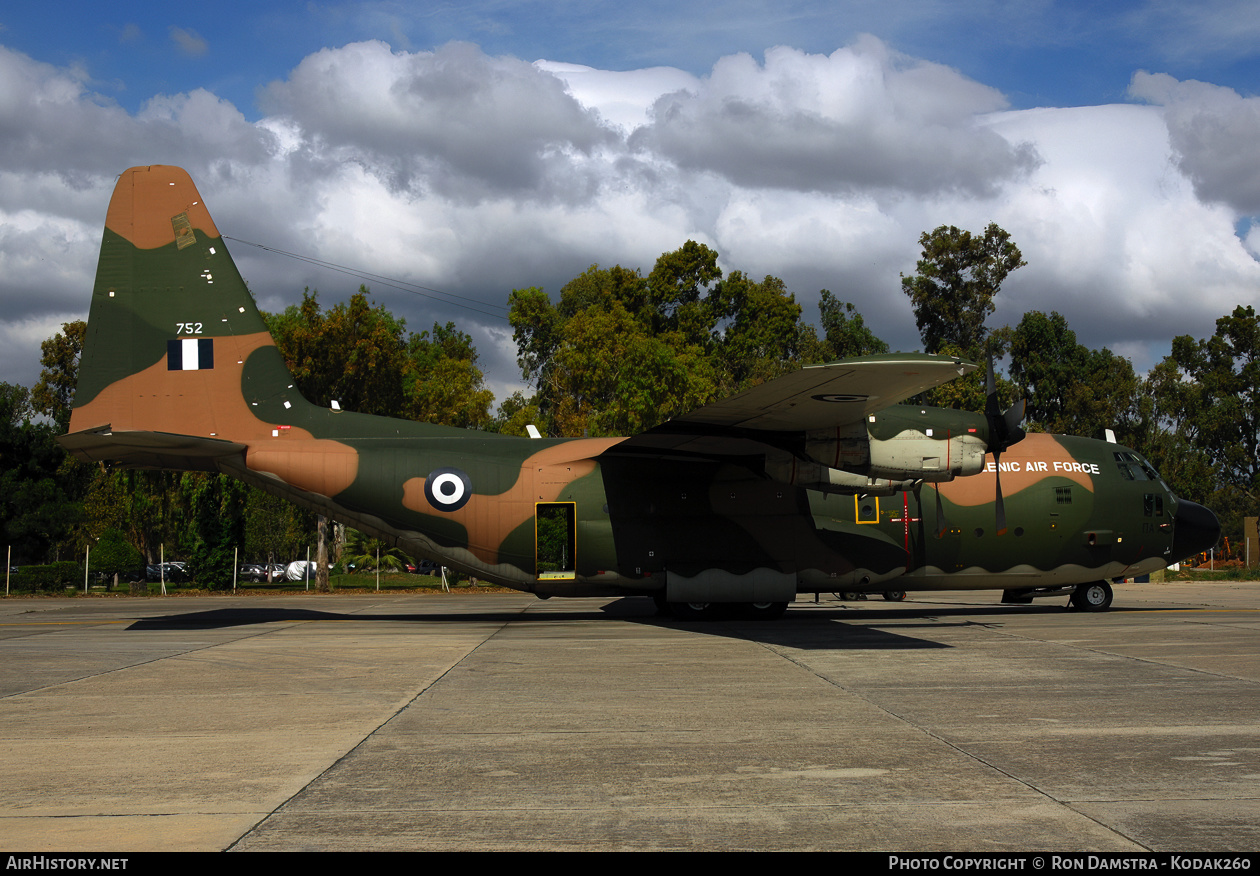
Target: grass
point(359, 582)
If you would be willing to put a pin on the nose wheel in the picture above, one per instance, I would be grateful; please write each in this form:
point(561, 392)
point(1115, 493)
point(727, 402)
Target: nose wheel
point(1092, 597)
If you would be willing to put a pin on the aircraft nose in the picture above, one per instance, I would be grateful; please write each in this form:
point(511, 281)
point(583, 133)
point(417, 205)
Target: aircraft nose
point(1195, 529)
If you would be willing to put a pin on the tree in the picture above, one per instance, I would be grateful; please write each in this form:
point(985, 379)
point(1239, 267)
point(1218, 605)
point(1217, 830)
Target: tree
point(1209, 392)
point(54, 392)
point(760, 331)
point(957, 278)
point(442, 383)
point(362, 551)
point(845, 332)
point(354, 353)
point(515, 413)
point(114, 555)
point(36, 510)
point(620, 353)
point(1072, 389)
point(217, 506)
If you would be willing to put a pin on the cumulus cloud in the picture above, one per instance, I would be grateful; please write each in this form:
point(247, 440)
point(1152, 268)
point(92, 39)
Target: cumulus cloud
point(863, 117)
point(623, 98)
point(1214, 131)
point(477, 174)
point(454, 121)
point(50, 122)
point(1116, 238)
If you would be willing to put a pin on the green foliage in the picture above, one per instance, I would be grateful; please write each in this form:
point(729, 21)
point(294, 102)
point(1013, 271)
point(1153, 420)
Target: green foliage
point(361, 356)
point(54, 393)
point(554, 538)
point(217, 506)
point(1211, 390)
point(1205, 398)
point(36, 510)
point(442, 382)
point(354, 353)
point(957, 278)
point(276, 530)
point(362, 550)
point(620, 353)
point(846, 334)
point(1071, 389)
point(113, 555)
point(515, 413)
point(760, 331)
point(53, 577)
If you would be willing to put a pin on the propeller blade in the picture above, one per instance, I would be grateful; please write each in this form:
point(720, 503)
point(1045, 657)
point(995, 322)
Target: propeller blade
point(991, 406)
point(1013, 417)
point(942, 523)
point(999, 503)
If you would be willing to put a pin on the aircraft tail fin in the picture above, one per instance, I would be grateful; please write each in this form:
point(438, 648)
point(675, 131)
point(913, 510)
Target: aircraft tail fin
point(175, 344)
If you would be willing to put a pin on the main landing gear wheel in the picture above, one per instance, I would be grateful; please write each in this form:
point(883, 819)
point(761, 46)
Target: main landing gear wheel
point(1092, 597)
point(693, 610)
point(765, 610)
point(894, 595)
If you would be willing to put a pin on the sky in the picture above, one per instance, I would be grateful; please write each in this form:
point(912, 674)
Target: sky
point(476, 147)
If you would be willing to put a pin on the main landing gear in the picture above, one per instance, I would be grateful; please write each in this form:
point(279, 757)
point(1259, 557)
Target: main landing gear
point(712, 610)
point(1092, 597)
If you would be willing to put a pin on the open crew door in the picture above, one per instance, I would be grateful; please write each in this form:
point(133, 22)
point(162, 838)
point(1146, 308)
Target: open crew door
point(555, 534)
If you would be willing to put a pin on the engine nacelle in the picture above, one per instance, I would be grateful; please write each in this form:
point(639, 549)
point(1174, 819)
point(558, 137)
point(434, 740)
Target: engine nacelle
point(813, 475)
point(903, 444)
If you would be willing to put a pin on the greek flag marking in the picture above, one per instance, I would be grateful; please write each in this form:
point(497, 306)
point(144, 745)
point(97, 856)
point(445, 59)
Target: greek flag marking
point(190, 354)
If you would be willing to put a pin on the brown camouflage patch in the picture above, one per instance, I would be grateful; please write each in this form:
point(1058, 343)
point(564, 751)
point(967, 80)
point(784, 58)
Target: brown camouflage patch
point(317, 465)
point(490, 518)
point(1035, 448)
point(147, 201)
point(207, 402)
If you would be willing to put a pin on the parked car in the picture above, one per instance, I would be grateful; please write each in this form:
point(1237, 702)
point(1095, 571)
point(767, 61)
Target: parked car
point(252, 572)
point(175, 572)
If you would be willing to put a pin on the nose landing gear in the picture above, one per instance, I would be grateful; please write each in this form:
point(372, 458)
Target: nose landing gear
point(1092, 597)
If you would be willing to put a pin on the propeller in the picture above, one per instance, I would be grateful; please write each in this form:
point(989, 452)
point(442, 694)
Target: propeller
point(942, 523)
point(1004, 430)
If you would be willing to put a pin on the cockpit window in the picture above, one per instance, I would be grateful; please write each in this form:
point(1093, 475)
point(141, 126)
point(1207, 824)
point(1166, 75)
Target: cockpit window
point(1133, 467)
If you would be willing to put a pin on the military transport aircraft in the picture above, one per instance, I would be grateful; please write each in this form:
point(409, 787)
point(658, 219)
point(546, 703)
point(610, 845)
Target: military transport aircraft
point(816, 481)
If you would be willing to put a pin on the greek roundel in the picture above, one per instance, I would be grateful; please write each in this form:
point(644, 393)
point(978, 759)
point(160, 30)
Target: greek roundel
point(447, 489)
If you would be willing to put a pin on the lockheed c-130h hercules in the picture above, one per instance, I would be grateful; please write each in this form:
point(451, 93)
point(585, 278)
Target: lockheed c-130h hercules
point(816, 481)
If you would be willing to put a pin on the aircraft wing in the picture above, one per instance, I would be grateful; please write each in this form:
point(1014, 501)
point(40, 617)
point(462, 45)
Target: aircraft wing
point(816, 397)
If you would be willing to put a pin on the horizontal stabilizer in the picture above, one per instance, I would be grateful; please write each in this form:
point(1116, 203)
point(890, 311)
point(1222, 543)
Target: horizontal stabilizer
point(149, 449)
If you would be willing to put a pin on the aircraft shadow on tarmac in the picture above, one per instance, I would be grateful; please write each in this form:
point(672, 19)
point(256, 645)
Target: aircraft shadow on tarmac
point(811, 627)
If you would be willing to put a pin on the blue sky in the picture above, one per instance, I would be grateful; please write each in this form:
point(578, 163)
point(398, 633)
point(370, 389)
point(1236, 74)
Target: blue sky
point(811, 140)
point(1037, 53)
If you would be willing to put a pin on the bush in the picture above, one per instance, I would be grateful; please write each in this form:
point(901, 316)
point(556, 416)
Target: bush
point(51, 578)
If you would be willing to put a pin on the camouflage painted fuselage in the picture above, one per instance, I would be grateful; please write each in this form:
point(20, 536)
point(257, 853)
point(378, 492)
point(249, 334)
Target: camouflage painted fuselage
point(790, 487)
